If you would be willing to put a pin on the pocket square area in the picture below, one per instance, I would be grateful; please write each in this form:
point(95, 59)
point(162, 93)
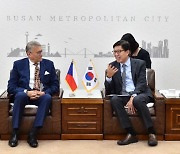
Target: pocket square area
point(46, 73)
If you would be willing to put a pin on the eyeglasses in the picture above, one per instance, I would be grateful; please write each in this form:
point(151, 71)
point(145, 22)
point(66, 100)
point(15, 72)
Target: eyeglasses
point(118, 51)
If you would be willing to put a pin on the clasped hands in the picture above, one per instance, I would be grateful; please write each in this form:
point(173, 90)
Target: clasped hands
point(35, 94)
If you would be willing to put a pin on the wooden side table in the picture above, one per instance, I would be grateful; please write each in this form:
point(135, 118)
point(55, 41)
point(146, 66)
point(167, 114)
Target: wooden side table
point(82, 115)
point(172, 119)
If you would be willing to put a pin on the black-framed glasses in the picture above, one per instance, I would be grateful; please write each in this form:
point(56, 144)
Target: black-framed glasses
point(117, 51)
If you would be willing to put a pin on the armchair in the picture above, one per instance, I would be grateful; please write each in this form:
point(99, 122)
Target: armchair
point(112, 128)
point(52, 125)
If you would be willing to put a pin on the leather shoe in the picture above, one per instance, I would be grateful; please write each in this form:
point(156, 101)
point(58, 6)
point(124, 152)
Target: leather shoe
point(13, 142)
point(152, 140)
point(129, 139)
point(32, 141)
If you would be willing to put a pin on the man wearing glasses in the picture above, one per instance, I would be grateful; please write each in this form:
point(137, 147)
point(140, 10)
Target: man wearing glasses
point(127, 77)
point(32, 81)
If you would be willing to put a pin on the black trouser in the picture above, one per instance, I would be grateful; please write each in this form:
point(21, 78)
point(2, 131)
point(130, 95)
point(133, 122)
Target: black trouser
point(139, 103)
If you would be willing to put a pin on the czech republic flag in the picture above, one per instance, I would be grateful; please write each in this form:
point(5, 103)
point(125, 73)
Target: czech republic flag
point(71, 77)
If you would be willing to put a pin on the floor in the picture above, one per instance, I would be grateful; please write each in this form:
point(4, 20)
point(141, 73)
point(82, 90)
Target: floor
point(90, 147)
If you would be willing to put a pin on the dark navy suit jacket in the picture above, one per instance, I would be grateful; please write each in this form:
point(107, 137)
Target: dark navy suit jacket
point(138, 71)
point(20, 76)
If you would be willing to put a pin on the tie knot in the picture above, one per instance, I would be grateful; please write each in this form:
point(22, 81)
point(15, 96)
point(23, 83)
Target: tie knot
point(35, 64)
point(123, 65)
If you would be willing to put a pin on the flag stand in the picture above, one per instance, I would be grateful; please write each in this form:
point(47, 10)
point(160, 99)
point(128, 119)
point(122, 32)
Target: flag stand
point(72, 94)
point(89, 93)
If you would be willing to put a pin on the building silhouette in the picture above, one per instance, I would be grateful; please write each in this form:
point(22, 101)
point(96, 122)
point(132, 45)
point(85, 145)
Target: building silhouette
point(103, 55)
point(22, 53)
point(160, 51)
point(18, 52)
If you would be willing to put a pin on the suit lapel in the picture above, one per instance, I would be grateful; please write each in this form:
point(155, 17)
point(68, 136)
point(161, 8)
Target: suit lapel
point(27, 71)
point(133, 69)
point(42, 70)
point(118, 74)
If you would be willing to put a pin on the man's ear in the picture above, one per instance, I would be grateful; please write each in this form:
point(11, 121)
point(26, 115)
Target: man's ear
point(28, 53)
point(129, 52)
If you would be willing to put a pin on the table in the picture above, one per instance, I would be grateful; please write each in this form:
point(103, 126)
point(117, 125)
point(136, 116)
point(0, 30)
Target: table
point(172, 103)
point(82, 115)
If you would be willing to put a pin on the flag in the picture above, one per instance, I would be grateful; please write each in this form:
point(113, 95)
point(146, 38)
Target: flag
point(71, 77)
point(90, 80)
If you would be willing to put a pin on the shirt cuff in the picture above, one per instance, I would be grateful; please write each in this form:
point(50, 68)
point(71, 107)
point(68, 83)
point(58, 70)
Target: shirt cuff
point(108, 79)
point(134, 95)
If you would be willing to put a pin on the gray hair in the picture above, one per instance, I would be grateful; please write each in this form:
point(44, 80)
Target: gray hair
point(31, 44)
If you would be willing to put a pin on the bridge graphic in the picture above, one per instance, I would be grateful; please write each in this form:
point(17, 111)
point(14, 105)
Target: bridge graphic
point(84, 52)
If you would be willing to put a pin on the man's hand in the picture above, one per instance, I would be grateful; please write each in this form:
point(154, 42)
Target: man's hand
point(40, 93)
point(130, 106)
point(111, 70)
point(34, 94)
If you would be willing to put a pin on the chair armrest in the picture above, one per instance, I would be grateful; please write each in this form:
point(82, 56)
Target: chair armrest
point(108, 113)
point(104, 96)
point(159, 105)
point(56, 107)
point(157, 95)
point(59, 94)
point(4, 105)
point(103, 93)
point(56, 104)
point(4, 113)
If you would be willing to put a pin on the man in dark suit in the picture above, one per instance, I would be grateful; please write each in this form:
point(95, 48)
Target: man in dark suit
point(32, 80)
point(127, 77)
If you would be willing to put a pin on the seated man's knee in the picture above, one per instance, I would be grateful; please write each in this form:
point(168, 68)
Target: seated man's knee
point(21, 95)
point(47, 97)
point(138, 100)
point(115, 100)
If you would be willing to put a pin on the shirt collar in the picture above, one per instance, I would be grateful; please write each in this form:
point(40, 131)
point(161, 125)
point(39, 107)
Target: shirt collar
point(32, 63)
point(127, 63)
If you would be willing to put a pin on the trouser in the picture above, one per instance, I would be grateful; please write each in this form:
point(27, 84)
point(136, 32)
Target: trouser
point(139, 103)
point(21, 99)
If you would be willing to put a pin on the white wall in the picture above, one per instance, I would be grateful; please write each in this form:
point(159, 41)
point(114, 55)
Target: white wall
point(153, 21)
